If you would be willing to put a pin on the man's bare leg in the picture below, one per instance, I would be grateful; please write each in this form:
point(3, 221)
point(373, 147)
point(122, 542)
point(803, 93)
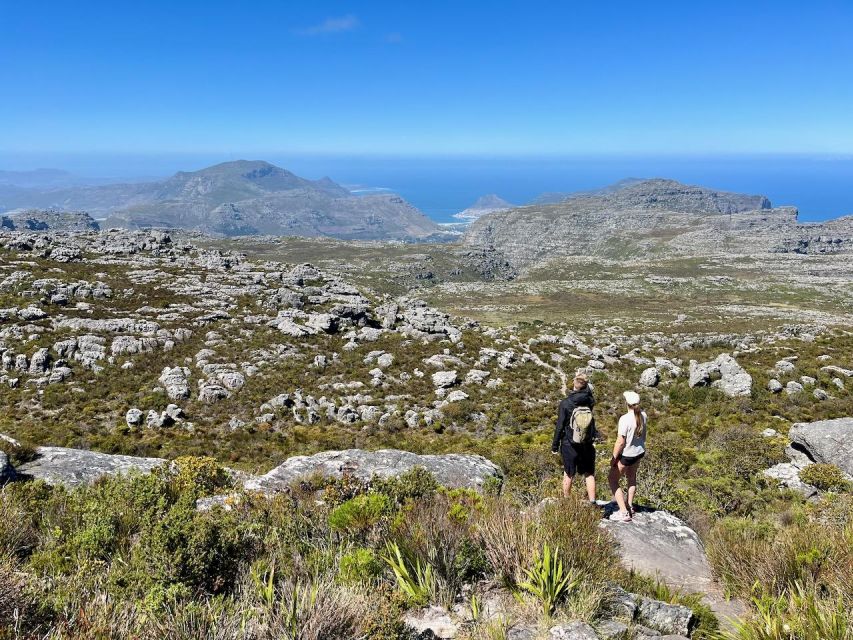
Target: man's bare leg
point(567, 484)
point(590, 487)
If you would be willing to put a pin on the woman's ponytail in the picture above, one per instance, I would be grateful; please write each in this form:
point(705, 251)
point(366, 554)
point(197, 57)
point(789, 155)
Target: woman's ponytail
point(641, 424)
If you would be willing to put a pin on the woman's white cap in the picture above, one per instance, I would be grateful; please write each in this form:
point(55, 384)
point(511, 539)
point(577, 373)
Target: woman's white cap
point(632, 397)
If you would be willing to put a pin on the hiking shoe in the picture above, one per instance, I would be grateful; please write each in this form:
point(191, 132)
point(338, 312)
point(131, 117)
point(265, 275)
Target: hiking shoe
point(620, 516)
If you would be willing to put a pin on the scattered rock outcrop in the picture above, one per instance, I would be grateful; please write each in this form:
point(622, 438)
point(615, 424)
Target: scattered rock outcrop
point(723, 373)
point(826, 441)
point(450, 470)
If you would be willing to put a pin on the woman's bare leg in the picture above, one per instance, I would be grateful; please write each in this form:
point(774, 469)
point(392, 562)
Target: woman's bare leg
point(613, 479)
point(631, 476)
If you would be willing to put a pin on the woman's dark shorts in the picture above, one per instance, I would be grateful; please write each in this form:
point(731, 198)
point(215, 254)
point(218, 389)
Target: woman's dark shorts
point(631, 460)
point(578, 458)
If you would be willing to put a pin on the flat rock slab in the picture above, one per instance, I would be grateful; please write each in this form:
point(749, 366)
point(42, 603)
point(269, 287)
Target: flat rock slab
point(659, 544)
point(656, 542)
point(826, 441)
point(75, 467)
point(450, 470)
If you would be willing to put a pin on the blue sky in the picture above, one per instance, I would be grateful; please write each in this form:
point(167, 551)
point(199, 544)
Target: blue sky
point(426, 78)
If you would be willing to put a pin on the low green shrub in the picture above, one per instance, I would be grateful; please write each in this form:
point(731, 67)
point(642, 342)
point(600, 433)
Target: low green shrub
point(198, 476)
point(360, 513)
point(825, 477)
point(417, 483)
point(359, 566)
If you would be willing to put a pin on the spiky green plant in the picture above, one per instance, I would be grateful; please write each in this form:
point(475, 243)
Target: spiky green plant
point(547, 581)
point(415, 578)
point(797, 614)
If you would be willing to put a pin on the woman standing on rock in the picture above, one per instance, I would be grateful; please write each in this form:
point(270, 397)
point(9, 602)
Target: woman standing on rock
point(629, 449)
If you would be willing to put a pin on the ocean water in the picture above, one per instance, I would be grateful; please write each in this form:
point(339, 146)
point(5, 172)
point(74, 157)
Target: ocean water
point(821, 187)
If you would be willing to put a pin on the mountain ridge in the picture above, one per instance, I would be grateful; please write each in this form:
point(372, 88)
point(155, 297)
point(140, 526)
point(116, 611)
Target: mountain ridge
point(238, 197)
point(652, 216)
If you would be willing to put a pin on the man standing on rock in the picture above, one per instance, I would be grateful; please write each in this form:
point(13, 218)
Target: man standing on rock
point(574, 435)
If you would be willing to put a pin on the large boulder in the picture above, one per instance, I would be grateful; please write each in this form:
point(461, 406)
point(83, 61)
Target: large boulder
point(723, 373)
point(74, 467)
point(826, 441)
point(451, 470)
point(175, 381)
point(650, 377)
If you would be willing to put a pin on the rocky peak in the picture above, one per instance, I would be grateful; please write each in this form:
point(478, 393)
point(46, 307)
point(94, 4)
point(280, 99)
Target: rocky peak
point(490, 203)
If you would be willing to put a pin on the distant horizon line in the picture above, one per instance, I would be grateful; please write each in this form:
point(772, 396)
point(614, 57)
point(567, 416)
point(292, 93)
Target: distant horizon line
point(260, 155)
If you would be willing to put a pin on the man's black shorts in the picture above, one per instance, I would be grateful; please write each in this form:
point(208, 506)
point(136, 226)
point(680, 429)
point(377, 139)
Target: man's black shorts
point(578, 458)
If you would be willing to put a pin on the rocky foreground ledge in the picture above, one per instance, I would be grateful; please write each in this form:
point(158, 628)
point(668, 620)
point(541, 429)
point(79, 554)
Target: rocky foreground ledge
point(75, 467)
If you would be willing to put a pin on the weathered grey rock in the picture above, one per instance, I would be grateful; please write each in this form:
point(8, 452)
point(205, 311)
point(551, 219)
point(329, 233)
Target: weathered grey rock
point(133, 417)
point(575, 630)
point(130, 345)
point(838, 382)
point(847, 373)
point(649, 377)
point(476, 376)
point(456, 396)
point(39, 362)
point(232, 380)
point(702, 373)
point(787, 475)
point(784, 366)
point(656, 542)
point(774, 386)
point(451, 470)
point(522, 632)
point(642, 632)
point(174, 412)
point(734, 381)
point(793, 387)
point(612, 630)
point(74, 467)
point(807, 381)
point(826, 441)
point(724, 373)
point(210, 393)
point(31, 313)
point(176, 382)
point(434, 620)
point(820, 394)
point(667, 618)
point(444, 379)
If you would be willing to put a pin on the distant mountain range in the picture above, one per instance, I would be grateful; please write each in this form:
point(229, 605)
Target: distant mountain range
point(236, 198)
point(641, 218)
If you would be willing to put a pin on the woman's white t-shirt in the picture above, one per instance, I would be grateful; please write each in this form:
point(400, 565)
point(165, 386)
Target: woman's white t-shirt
point(634, 444)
